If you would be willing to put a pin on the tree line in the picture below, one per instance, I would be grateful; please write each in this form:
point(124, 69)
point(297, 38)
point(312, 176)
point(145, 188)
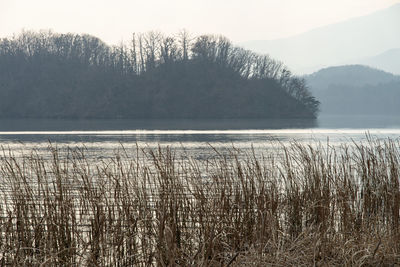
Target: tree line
point(80, 75)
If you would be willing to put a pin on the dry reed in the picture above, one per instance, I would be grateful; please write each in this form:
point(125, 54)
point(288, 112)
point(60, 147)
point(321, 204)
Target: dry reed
point(306, 205)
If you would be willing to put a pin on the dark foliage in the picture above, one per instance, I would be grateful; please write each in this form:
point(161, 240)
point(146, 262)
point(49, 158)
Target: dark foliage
point(50, 75)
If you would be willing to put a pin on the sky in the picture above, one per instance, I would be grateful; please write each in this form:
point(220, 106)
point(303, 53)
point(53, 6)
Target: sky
point(239, 20)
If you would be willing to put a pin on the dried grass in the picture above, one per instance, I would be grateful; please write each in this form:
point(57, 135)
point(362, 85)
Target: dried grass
point(307, 205)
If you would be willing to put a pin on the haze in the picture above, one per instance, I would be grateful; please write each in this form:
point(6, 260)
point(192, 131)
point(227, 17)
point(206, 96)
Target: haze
point(238, 20)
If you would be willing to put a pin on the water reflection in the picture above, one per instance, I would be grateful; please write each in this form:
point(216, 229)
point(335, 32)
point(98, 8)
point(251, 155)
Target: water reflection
point(198, 138)
point(123, 124)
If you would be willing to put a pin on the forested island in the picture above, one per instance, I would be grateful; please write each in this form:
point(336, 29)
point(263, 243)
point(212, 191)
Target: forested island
point(51, 75)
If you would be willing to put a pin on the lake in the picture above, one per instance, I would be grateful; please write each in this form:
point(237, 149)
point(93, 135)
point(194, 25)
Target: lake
point(197, 138)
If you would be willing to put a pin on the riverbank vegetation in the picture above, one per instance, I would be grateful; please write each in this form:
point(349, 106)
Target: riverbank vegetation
point(50, 75)
point(299, 205)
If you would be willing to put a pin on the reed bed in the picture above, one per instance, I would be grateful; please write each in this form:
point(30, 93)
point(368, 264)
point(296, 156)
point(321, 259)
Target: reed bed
point(303, 205)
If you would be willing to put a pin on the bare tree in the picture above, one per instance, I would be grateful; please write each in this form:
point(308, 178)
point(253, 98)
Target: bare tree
point(185, 41)
point(153, 44)
point(169, 50)
point(134, 55)
point(141, 54)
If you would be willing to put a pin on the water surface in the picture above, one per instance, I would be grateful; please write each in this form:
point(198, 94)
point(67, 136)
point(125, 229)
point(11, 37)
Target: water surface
point(198, 138)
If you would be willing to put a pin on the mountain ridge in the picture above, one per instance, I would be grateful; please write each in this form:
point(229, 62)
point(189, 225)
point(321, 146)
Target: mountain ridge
point(388, 61)
point(346, 41)
point(349, 75)
point(355, 89)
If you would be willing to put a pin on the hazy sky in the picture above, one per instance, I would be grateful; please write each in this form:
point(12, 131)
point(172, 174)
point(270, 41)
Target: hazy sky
point(239, 20)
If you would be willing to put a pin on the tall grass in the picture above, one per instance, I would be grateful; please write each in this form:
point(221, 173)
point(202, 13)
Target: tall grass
point(306, 205)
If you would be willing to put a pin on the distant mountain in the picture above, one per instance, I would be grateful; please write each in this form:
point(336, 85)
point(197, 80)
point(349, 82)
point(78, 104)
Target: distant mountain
point(387, 61)
point(356, 89)
point(349, 76)
point(348, 41)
